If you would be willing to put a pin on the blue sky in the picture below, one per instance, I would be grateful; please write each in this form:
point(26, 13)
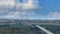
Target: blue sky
point(49, 6)
point(30, 9)
point(50, 9)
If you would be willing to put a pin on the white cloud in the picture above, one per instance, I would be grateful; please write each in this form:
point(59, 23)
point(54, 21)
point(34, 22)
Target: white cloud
point(19, 9)
point(31, 4)
point(23, 15)
point(54, 14)
point(12, 15)
point(9, 3)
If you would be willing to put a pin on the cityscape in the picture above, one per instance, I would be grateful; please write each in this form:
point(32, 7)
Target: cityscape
point(29, 16)
point(11, 26)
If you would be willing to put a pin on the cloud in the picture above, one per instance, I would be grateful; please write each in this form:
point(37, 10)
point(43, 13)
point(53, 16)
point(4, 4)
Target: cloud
point(12, 15)
point(7, 3)
point(14, 9)
point(31, 4)
point(23, 15)
point(54, 15)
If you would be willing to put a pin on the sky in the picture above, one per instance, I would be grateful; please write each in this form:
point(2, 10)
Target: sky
point(30, 9)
